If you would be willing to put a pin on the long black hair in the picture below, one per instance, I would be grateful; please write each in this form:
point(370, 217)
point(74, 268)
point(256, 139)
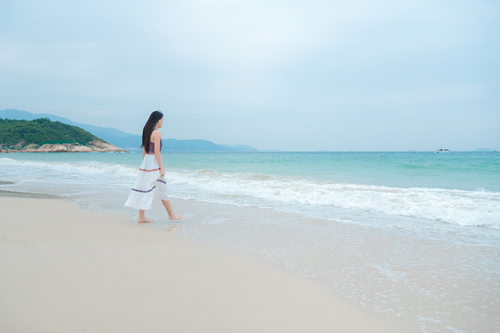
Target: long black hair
point(154, 118)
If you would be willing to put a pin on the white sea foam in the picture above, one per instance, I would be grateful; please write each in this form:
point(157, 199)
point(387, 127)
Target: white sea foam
point(466, 208)
point(89, 171)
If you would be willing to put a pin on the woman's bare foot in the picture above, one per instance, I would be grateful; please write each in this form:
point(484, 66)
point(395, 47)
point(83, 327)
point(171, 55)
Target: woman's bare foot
point(174, 217)
point(171, 215)
point(142, 217)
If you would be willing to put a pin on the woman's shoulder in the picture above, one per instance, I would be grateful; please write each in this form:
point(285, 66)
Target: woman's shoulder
point(156, 133)
point(155, 136)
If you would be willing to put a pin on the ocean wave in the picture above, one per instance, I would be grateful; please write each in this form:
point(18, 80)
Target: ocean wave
point(459, 207)
point(466, 208)
point(91, 171)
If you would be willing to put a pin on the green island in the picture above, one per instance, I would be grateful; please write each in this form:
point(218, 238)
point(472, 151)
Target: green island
point(44, 135)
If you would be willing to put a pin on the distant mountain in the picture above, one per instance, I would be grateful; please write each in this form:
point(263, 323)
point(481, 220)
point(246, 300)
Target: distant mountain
point(126, 140)
point(111, 135)
point(484, 150)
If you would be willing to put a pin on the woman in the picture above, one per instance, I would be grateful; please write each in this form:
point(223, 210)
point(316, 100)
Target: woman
point(150, 181)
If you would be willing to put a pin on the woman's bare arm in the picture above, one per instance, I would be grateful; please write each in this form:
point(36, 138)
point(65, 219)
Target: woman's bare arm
point(156, 138)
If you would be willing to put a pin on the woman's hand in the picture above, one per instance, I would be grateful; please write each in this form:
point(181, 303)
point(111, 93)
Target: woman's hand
point(162, 171)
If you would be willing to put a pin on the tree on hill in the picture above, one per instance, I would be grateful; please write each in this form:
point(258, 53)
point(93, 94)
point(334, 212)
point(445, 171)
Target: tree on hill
point(41, 131)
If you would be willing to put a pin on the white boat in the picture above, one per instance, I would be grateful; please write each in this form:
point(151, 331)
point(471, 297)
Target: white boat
point(442, 150)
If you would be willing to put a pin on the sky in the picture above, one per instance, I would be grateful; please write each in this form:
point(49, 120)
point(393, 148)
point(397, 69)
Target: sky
point(355, 75)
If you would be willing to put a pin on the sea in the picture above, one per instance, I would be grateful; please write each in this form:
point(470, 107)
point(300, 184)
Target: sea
point(410, 236)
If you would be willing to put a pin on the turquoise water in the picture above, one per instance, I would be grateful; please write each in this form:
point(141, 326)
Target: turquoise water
point(463, 171)
point(415, 236)
point(457, 188)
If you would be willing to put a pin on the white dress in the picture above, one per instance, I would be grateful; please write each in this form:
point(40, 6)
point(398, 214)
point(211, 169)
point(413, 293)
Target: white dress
point(148, 184)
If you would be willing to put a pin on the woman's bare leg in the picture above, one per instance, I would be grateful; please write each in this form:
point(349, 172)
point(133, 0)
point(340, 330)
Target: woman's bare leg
point(171, 215)
point(142, 217)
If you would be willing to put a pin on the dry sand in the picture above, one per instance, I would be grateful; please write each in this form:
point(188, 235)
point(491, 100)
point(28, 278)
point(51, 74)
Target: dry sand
point(70, 270)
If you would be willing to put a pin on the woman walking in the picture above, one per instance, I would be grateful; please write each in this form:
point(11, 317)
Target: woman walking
point(151, 181)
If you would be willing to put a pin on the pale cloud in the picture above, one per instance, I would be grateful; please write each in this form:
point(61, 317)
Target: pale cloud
point(224, 70)
point(227, 35)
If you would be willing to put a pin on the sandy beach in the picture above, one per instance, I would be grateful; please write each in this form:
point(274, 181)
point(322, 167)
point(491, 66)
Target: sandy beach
point(66, 269)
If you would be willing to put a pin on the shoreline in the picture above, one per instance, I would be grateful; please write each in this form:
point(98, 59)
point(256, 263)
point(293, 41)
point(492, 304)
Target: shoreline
point(71, 269)
point(426, 273)
point(13, 194)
